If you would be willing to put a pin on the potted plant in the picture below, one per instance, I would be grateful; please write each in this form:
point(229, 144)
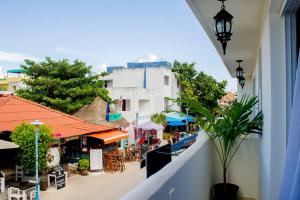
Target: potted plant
point(83, 166)
point(227, 129)
point(43, 183)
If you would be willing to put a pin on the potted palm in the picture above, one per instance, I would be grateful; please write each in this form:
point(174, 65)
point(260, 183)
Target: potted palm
point(227, 129)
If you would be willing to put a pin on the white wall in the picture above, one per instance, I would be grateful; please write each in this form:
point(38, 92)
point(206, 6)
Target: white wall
point(129, 83)
point(190, 176)
point(243, 170)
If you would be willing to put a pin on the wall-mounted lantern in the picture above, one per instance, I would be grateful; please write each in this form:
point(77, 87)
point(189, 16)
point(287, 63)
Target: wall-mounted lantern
point(223, 26)
point(239, 72)
point(242, 81)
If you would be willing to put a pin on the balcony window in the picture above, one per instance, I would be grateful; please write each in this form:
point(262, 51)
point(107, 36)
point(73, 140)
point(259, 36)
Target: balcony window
point(166, 80)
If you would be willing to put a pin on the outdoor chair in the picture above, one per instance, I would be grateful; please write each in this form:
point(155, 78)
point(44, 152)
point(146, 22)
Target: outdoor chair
point(19, 172)
point(31, 193)
point(14, 193)
point(2, 182)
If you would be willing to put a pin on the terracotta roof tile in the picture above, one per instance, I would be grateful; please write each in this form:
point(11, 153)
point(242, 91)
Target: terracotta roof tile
point(15, 110)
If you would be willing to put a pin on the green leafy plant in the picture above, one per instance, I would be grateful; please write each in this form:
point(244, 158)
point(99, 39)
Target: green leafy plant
point(24, 136)
point(228, 128)
point(159, 118)
point(83, 164)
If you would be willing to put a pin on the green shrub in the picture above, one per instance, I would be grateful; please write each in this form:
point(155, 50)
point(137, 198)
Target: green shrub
point(83, 164)
point(24, 136)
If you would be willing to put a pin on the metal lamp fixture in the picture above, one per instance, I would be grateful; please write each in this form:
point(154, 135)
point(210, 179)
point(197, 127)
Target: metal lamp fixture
point(242, 81)
point(223, 26)
point(239, 71)
point(36, 124)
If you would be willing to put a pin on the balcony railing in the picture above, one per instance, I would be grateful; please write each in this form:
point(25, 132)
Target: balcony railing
point(188, 176)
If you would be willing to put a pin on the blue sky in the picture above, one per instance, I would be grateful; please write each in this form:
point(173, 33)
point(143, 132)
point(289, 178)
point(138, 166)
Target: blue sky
point(106, 32)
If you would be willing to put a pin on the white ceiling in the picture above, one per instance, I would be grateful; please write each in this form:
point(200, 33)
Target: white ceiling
point(247, 23)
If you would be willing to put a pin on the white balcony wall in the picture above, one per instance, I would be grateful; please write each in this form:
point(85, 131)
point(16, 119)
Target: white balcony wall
point(243, 170)
point(189, 176)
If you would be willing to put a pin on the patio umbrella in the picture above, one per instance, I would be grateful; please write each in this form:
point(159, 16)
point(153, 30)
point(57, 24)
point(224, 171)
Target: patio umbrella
point(149, 125)
point(7, 145)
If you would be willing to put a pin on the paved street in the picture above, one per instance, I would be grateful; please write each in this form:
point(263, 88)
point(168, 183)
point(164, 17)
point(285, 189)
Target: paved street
point(97, 187)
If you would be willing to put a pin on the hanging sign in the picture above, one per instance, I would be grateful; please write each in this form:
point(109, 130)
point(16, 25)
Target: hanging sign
point(115, 117)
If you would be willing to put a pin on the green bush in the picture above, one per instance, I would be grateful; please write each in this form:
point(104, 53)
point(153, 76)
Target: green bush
point(83, 164)
point(24, 136)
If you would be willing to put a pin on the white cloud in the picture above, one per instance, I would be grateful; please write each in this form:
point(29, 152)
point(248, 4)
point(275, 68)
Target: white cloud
point(15, 57)
point(74, 52)
point(150, 58)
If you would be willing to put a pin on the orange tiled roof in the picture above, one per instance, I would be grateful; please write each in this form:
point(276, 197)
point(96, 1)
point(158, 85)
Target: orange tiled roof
point(14, 110)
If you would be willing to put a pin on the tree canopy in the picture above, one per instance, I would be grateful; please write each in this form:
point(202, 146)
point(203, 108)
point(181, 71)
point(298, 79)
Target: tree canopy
point(61, 85)
point(198, 85)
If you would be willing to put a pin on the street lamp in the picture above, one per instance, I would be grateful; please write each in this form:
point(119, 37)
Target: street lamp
point(223, 26)
point(37, 125)
point(239, 71)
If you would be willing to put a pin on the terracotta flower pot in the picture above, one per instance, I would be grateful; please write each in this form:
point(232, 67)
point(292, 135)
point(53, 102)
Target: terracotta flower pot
point(84, 172)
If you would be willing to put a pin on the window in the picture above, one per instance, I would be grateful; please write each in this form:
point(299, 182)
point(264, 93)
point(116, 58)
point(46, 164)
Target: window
point(166, 80)
point(108, 83)
point(167, 106)
point(125, 105)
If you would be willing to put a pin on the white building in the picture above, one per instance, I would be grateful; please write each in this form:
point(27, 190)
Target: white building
point(266, 36)
point(145, 88)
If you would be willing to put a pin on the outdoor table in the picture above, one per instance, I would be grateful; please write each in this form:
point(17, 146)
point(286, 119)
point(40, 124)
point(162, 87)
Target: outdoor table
point(24, 187)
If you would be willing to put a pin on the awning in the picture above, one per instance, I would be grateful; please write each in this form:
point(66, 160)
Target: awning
point(7, 145)
point(173, 116)
point(110, 136)
point(176, 123)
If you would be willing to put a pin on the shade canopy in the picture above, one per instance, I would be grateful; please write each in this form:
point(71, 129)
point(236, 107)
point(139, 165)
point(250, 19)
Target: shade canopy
point(149, 125)
point(176, 123)
point(110, 136)
point(178, 117)
point(7, 145)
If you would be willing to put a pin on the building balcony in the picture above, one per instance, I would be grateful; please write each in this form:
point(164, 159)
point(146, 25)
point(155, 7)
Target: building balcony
point(191, 174)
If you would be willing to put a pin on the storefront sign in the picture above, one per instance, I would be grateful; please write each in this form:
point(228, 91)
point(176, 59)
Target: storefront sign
point(60, 177)
point(115, 117)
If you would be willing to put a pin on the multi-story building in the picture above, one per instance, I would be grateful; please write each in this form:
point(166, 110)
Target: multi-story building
point(12, 81)
point(143, 88)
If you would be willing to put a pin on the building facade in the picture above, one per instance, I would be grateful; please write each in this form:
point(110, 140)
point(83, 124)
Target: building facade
point(143, 88)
